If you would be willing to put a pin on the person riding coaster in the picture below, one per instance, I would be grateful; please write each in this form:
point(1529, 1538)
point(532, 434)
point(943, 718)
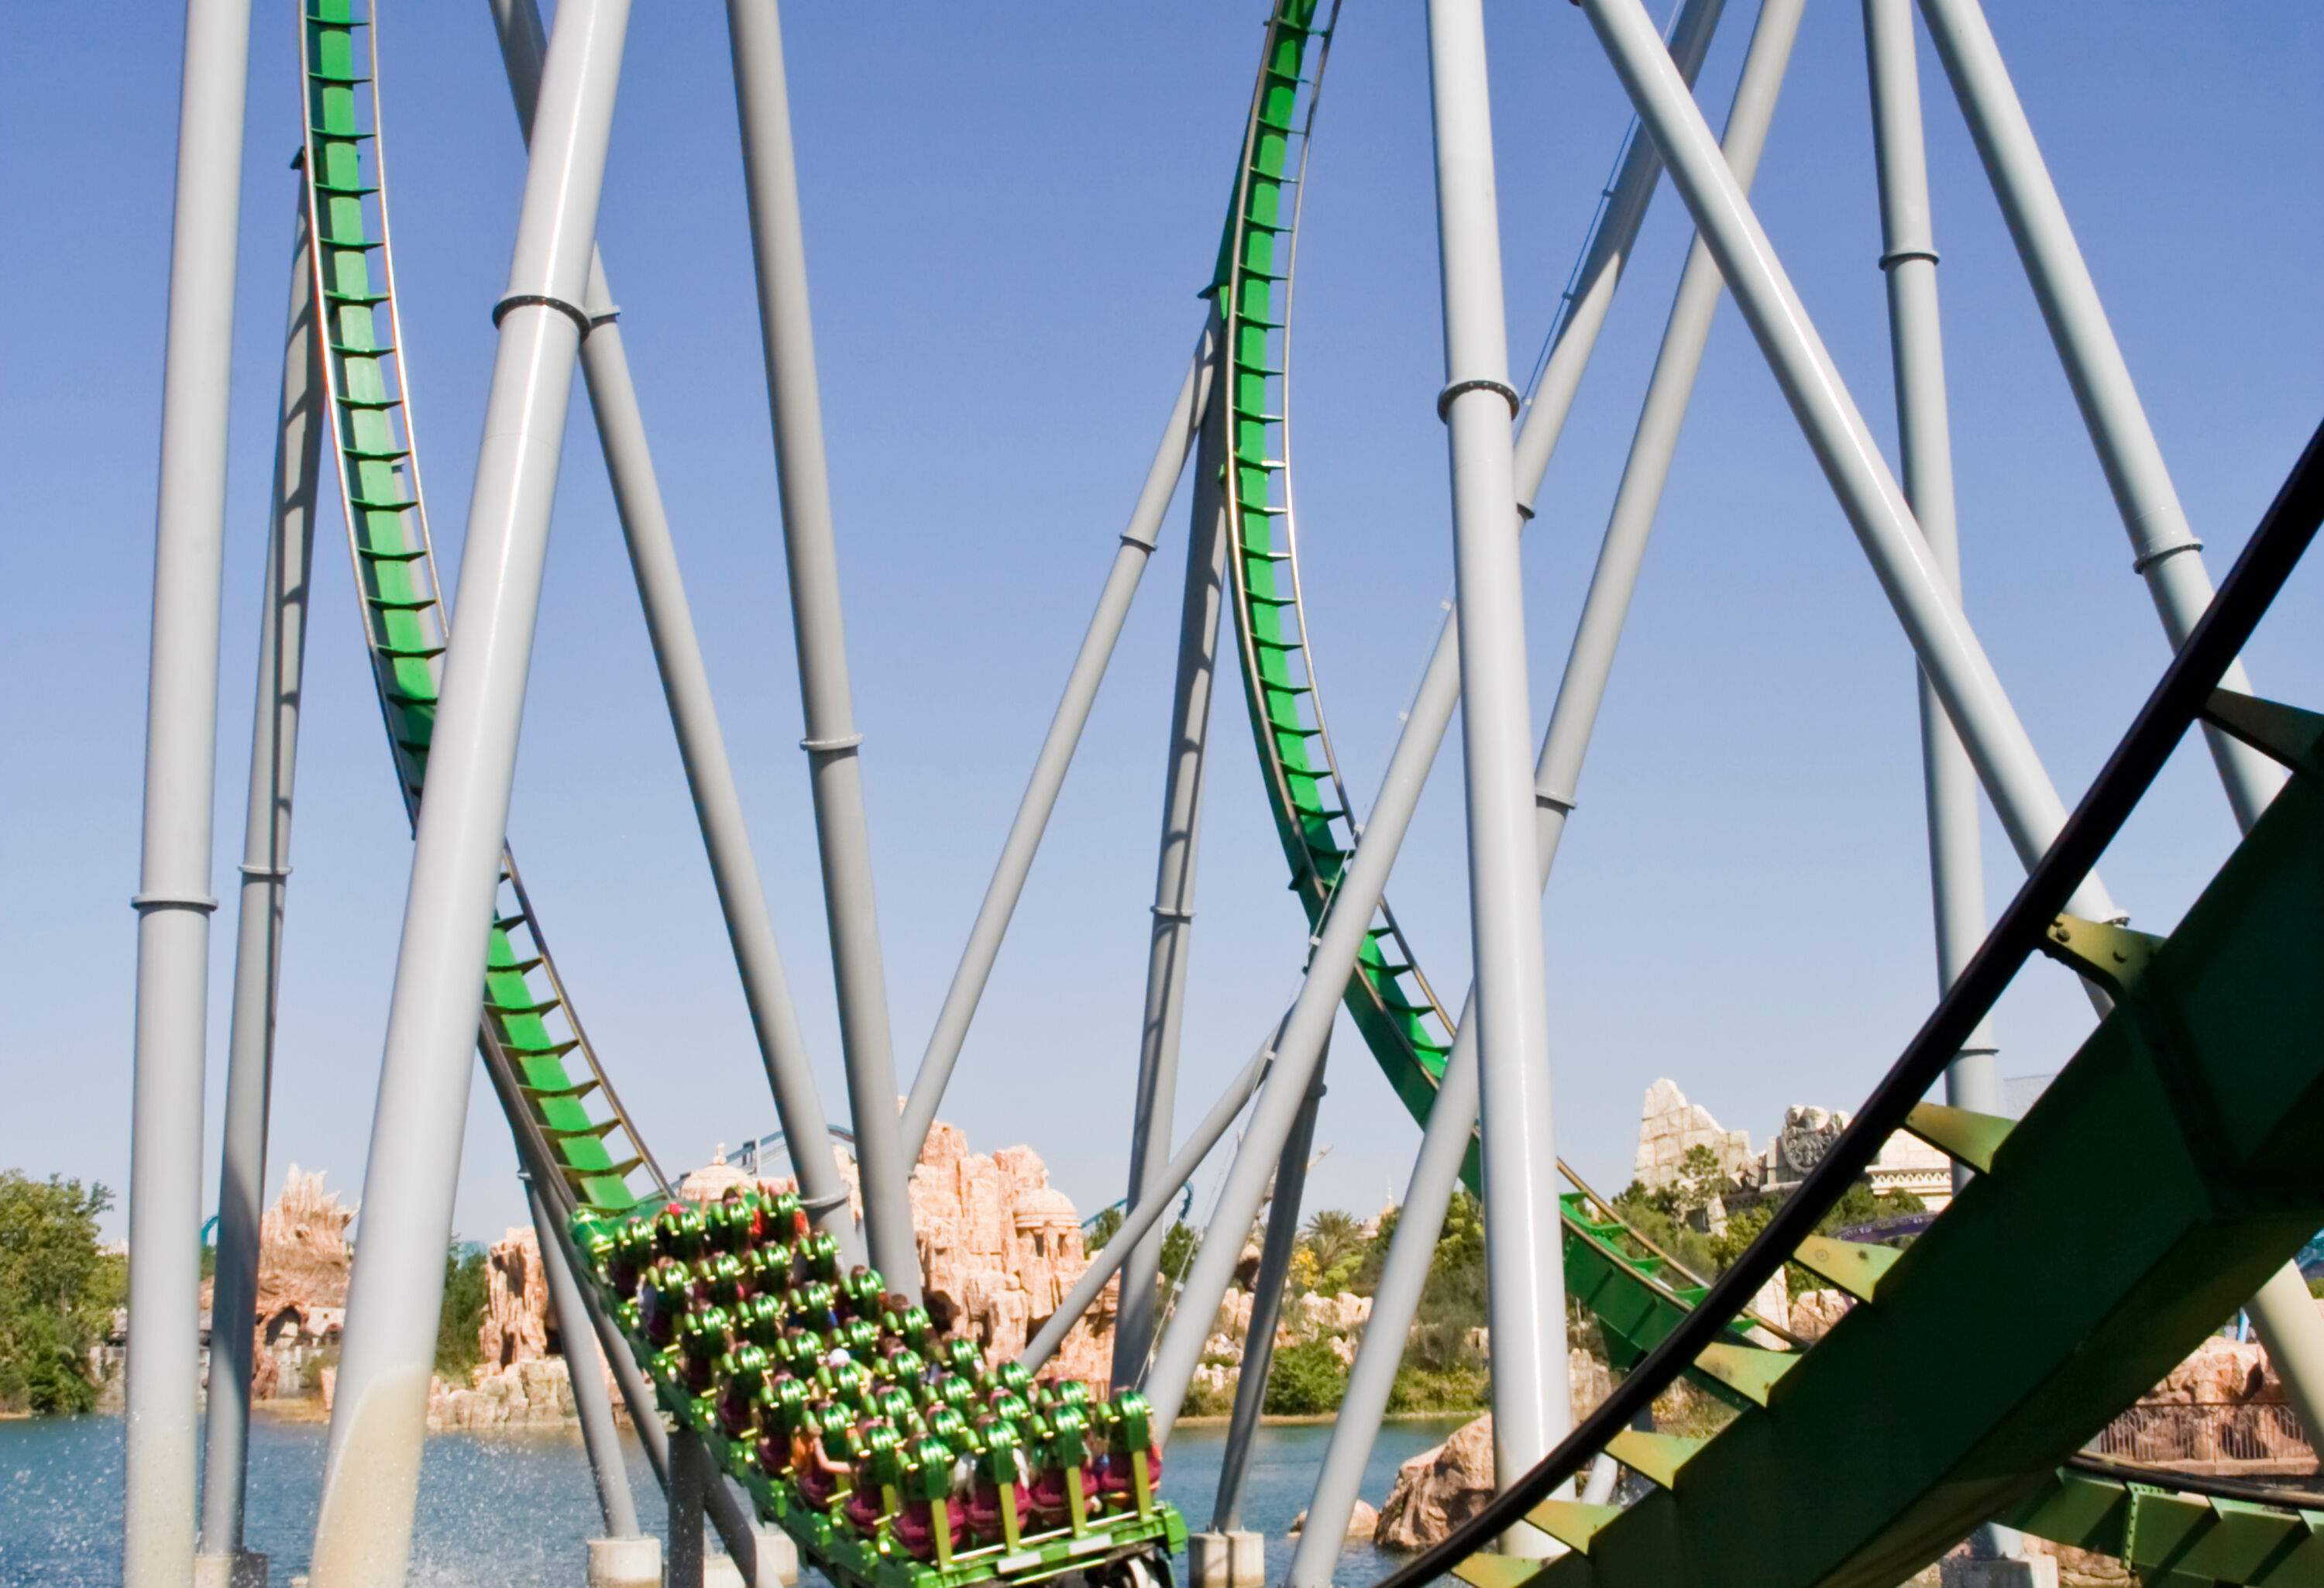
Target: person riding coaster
point(1133, 1461)
point(743, 1373)
point(998, 1498)
point(875, 1478)
point(784, 1413)
point(1065, 1477)
point(824, 1468)
point(931, 1525)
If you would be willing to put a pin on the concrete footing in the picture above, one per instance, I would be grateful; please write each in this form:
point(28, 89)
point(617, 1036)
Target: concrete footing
point(779, 1562)
point(2040, 1571)
point(1228, 1560)
point(242, 1569)
point(625, 1563)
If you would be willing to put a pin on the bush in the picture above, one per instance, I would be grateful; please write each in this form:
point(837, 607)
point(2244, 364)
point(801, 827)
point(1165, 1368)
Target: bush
point(467, 1283)
point(1305, 1380)
point(1462, 1387)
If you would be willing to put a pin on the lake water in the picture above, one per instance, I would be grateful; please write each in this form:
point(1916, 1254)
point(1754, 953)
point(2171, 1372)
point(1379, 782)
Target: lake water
point(510, 1510)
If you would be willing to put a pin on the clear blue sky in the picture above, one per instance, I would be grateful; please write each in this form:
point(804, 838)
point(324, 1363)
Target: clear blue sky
point(1009, 210)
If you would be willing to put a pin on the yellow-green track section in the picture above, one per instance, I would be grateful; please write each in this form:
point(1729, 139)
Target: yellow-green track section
point(1635, 1293)
point(529, 1028)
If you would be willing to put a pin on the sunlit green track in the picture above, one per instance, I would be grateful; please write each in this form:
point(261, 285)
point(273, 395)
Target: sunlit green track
point(528, 1028)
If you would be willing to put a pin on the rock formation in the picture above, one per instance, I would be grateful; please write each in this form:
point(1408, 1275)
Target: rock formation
point(1669, 1127)
point(517, 1327)
point(302, 1284)
point(1438, 1490)
point(1363, 1522)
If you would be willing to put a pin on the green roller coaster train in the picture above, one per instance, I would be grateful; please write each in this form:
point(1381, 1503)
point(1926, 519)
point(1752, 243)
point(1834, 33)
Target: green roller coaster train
point(781, 1386)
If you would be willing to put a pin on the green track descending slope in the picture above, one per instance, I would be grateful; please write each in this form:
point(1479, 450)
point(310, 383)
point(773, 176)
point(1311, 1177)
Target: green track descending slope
point(2210, 1075)
point(529, 1027)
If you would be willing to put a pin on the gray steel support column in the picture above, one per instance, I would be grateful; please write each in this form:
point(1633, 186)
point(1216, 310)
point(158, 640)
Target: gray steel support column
point(1172, 943)
point(2165, 549)
point(2013, 775)
point(690, 1482)
point(1908, 258)
point(586, 1368)
point(1266, 1311)
point(778, 250)
point(686, 686)
point(1588, 665)
point(1445, 1143)
point(1602, 267)
point(362, 1534)
point(1041, 797)
point(1105, 1263)
point(1524, 1262)
point(173, 900)
point(1435, 1170)
point(265, 874)
point(735, 1526)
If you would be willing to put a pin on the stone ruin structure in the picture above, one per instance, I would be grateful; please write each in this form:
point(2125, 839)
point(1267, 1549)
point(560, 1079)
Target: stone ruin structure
point(1669, 1127)
point(302, 1285)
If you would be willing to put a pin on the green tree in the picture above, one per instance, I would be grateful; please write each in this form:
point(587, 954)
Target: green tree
point(1305, 1380)
point(467, 1283)
point(57, 1291)
point(1337, 1242)
point(1101, 1230)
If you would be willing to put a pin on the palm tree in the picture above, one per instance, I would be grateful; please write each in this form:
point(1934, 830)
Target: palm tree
point(1333, 1237)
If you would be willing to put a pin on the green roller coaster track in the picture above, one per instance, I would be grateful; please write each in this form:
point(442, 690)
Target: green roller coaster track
point(1785, 1493)
point(529, 1030)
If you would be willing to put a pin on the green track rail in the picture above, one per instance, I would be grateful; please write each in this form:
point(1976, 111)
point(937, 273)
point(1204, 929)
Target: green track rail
point(2209, 1073)
point(1635, 1293)
point(529, 1027)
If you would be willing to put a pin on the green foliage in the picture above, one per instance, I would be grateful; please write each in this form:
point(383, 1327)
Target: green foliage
point(1860, 1205)
point(57, 1292)
point(1459, 1388)
point(466, 1282)
point(1649, 1213)
point(1335, 1243)
point(1305, 1380)
point(1205, 1401)
point(2316, 1285)
point(1101, 1230)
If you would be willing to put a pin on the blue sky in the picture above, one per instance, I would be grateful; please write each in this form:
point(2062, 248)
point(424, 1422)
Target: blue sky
point(1009, 210)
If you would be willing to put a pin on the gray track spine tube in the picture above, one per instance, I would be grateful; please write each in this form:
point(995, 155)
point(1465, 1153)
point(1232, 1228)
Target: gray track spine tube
point(1170, 947)
point(266, 878)
point(810, 549)
point(174, 901)
point(685, 686)
point(362, 1533)
point(1057, 747)
point(1524, 1252)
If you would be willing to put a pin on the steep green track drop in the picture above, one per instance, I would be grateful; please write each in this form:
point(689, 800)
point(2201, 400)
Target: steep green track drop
point(529, 1027)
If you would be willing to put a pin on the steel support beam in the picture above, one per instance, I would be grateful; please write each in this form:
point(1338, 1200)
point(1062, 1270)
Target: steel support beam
point(173, 900)
point(1395, 1298)
point(1445, 1141)
point(1266, 1311)
point(2164, 548)
point(1601, 273)
point(363, 1535)
point(585, 1366)
point(1171, 947)
point(1147, 1212)
point(686, 686)
point(778, 252)
point(1525, 1272)
point(1908, 259)
point(265, 875)
point(1948, 649)
point(1049, 768)
point(691, 1478)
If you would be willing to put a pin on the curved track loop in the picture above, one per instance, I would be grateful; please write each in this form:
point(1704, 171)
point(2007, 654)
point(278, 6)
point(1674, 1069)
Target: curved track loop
point(528, 1026)
point(1637, 1293)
